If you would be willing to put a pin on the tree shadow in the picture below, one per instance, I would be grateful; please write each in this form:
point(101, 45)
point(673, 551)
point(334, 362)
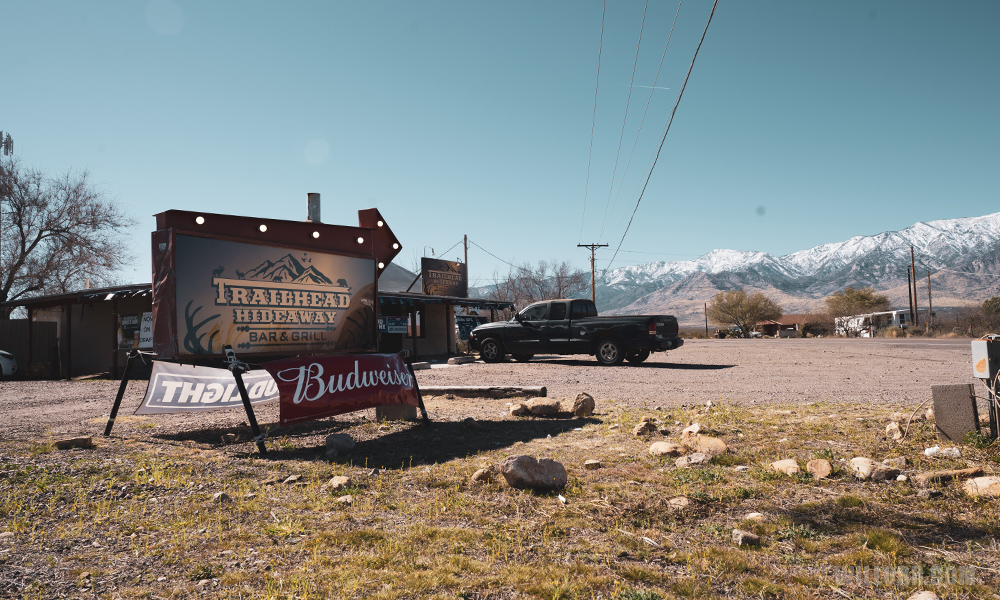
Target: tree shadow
point(415, 444)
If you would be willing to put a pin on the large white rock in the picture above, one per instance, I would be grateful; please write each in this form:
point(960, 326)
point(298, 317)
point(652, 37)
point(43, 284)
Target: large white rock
point(819, 468)
point(542, 474)
point(988, 486)
point(693, 460)
point(862, 468)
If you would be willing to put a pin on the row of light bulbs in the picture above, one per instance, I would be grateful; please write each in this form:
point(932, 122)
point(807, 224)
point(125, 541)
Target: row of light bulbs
point(263, 228)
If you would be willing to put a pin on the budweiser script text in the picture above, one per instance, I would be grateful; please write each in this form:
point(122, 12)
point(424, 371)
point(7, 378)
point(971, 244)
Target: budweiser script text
point(311, 384)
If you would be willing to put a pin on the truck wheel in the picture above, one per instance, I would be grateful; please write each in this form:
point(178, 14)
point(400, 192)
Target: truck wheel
point(638, 357)
point(610, 352)
point(522, 357)
point(490, 350)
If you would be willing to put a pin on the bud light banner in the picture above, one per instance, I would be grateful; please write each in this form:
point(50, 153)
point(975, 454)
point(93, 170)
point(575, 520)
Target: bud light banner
point(183, 388)
point(322, 386)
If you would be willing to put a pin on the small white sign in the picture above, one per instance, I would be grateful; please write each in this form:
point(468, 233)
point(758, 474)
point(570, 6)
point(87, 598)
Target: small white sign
point(146, 331)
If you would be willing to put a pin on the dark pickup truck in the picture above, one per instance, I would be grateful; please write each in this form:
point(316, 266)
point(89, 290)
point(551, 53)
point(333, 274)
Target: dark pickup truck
point(573, 327)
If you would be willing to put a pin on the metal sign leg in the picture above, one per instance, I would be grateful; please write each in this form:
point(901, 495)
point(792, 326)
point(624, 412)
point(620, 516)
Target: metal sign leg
point(132, 355)
point(238, 368)
point(416, 386)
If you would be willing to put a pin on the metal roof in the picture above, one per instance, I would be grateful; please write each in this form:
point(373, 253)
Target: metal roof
point(89, 296)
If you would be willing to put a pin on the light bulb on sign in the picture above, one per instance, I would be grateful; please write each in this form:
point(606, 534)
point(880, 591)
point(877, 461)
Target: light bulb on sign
point(395, 246)
point(263, 228)
point(315, 234)
point(361, 240)
point(199, 220)
point(380, 223)
point(381, 265)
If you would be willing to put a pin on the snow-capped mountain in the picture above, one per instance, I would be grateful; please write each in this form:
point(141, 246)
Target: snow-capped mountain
point(962, 256)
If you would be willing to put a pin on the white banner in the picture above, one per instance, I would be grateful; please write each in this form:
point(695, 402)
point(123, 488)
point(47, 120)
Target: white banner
point(183, 388)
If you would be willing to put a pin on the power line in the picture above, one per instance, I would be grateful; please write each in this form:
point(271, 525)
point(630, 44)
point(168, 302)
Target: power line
point(590, 155)
point(664, 139)
point(498, 258)
point(628, 101)
point(649, 99)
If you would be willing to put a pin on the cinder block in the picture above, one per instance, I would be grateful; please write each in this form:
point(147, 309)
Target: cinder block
point(955, 413)
point(396, 412)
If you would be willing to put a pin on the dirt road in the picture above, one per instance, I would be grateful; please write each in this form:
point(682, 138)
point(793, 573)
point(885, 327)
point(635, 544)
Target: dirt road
point(742, 371)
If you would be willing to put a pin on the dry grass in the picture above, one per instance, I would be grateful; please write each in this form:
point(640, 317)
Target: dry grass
point(135, 518)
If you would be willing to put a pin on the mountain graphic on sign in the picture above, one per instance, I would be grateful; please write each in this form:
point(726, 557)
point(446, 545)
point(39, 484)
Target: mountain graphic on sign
point(287, 270)
point(311, 275)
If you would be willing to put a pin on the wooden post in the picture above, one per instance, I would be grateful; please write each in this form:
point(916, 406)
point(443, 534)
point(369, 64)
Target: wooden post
point(913, 267)
point(930, 305)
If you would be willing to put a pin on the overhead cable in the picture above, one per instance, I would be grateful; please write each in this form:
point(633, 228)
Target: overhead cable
point(621, 136)
point(590, 154)
point(649, 99)
point(664, 138)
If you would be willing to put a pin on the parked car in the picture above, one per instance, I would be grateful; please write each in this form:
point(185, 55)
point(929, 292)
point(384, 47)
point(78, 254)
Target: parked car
point(573, 327)
point(8, 364)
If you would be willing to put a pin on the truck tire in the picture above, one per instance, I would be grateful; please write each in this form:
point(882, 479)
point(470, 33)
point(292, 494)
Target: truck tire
point(638, 357)
point(490, 350)
point(610, 352)
point(522, 357)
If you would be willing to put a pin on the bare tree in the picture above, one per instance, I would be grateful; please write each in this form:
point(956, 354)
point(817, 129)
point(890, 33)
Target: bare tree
point(743, 310)
point(55, 232)
point(526, 284)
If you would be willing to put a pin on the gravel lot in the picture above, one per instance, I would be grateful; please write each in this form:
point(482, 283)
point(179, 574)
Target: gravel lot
point(880, 372)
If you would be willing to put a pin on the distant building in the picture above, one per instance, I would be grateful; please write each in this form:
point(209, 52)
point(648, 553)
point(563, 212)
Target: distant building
point(869, 324)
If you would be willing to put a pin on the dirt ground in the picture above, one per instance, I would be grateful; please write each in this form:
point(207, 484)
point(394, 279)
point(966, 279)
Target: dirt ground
point(748, 372)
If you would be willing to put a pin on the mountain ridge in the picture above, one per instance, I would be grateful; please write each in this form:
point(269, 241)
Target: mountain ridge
point(962, 255)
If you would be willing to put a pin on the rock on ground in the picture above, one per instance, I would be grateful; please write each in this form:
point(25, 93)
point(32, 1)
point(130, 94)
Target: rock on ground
point(924, 595)
point(644, 428)
point(543, 407)
point(337, 443)
point(893, 432)
point(988, 487)
point(482, 476)
point(77, 442)
point(584, 405)
point(693, 460)
point(523, 472)
point(862, 468)
point(745, 538)
point(336, 484)
point(704, 443)
point(819, 468)
point(518, 410)
point(789, 466)
point(592, 464)
point(666, 449)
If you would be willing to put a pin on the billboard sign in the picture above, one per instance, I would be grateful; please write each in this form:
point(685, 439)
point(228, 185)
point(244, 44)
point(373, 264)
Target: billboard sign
point(262, 299)
point(323, 386)
point(265, 287)
point(185, 388)
point(444, 278)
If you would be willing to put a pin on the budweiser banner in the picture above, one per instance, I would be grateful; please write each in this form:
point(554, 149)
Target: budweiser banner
point(182, 388)
point(322, 386)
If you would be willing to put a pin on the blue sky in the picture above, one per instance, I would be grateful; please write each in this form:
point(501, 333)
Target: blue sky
point(803, 122)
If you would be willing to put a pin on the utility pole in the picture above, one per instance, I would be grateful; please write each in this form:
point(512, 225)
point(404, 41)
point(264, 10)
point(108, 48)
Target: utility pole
point(909, 292)
point(593, 292)
point(706, 319)
point(930, 306)
point(913, 267)
point(465, 244)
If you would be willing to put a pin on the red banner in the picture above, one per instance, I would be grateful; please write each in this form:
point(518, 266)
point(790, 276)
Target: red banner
point(313, 387)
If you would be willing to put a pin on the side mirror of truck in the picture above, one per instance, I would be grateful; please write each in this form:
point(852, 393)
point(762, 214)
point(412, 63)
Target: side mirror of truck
point(518, 317)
